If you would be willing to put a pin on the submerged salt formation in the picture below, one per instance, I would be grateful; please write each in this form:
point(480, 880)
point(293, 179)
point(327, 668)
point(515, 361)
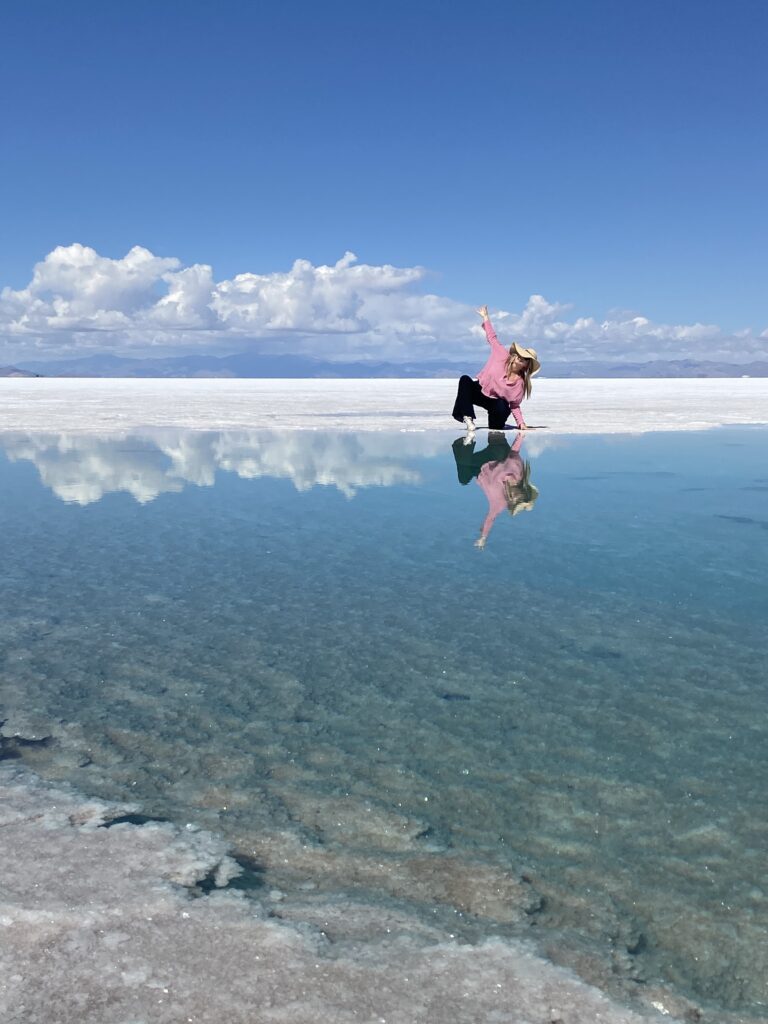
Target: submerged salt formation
point(258, 764)
point(101, 923)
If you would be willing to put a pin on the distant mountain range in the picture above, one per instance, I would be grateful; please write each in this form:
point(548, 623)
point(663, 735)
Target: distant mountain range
point(658, 368)
point(14, 371)
point(249, 365)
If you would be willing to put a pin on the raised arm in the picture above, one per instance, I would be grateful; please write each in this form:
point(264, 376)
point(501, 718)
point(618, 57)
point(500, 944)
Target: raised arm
point(490, 334)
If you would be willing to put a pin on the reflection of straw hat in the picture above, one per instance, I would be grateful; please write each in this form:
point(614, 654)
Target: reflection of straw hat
point(526, 506)
point(521, 497)
point(527, 353)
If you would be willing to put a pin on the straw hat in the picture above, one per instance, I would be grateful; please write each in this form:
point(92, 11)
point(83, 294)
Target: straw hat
point(527, 353)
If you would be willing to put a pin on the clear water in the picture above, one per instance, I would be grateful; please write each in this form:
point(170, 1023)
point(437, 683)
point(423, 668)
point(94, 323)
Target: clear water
point(294, 640)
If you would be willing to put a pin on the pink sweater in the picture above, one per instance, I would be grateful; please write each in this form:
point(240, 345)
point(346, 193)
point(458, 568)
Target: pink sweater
point(492, 478)
point(492, 380)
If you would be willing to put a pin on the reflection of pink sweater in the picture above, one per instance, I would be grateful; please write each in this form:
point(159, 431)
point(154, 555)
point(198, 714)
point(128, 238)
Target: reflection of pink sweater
point(492, 380)
point(492, 478)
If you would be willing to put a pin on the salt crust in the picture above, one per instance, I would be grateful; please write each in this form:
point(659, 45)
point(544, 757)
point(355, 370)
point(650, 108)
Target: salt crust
point(99, 925)
point(564, 406)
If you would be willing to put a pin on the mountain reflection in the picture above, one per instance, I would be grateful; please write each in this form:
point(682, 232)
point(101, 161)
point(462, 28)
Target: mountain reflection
point(82, 469)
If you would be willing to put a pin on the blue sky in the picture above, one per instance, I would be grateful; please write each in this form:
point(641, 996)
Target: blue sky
point(606, 155)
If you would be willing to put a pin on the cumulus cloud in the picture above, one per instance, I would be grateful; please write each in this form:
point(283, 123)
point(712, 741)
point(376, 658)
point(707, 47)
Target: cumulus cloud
point(631, 337)
point(141, 304)
point(79, 301)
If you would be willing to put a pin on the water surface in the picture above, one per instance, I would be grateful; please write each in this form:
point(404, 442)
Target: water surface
point(295, 639)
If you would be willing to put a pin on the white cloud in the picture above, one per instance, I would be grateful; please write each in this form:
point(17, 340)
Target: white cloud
point(630, 338)
point(79, 302)
point(75, 289)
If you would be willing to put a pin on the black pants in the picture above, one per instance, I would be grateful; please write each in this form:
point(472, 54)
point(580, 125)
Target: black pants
point(470, 394)
point(469, 462)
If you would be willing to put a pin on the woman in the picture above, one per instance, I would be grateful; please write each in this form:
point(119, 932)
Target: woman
point(506, 485)
point(501, 474)
point(501, 385)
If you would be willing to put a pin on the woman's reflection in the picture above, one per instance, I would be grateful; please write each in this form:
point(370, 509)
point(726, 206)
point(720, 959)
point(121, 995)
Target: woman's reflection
point(501, 473)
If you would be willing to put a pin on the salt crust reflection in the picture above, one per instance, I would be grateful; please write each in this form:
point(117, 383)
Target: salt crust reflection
point(82, 469)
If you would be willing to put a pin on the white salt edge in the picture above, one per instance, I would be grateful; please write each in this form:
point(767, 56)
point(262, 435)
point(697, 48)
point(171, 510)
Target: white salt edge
point(563, 406)
point(95, 927)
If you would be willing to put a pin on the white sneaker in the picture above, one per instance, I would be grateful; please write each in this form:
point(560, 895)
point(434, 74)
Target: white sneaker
point(469, 423)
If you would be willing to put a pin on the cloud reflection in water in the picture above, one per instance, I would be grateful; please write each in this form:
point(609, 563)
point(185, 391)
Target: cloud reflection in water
point(81, 469)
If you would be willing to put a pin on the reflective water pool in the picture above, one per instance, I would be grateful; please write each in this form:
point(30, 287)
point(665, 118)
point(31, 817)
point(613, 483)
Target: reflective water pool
point(515, 688)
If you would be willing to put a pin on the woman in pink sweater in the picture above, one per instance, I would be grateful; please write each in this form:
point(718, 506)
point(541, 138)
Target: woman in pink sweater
point(500, 386)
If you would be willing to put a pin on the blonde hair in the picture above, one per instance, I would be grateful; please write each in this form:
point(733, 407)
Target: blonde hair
point(526, 374)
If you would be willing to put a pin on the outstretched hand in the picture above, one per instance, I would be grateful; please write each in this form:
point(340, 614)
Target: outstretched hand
point(483, 312)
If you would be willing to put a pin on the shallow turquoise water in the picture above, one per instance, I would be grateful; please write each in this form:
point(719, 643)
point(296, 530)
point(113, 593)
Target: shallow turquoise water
point(293, 639)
